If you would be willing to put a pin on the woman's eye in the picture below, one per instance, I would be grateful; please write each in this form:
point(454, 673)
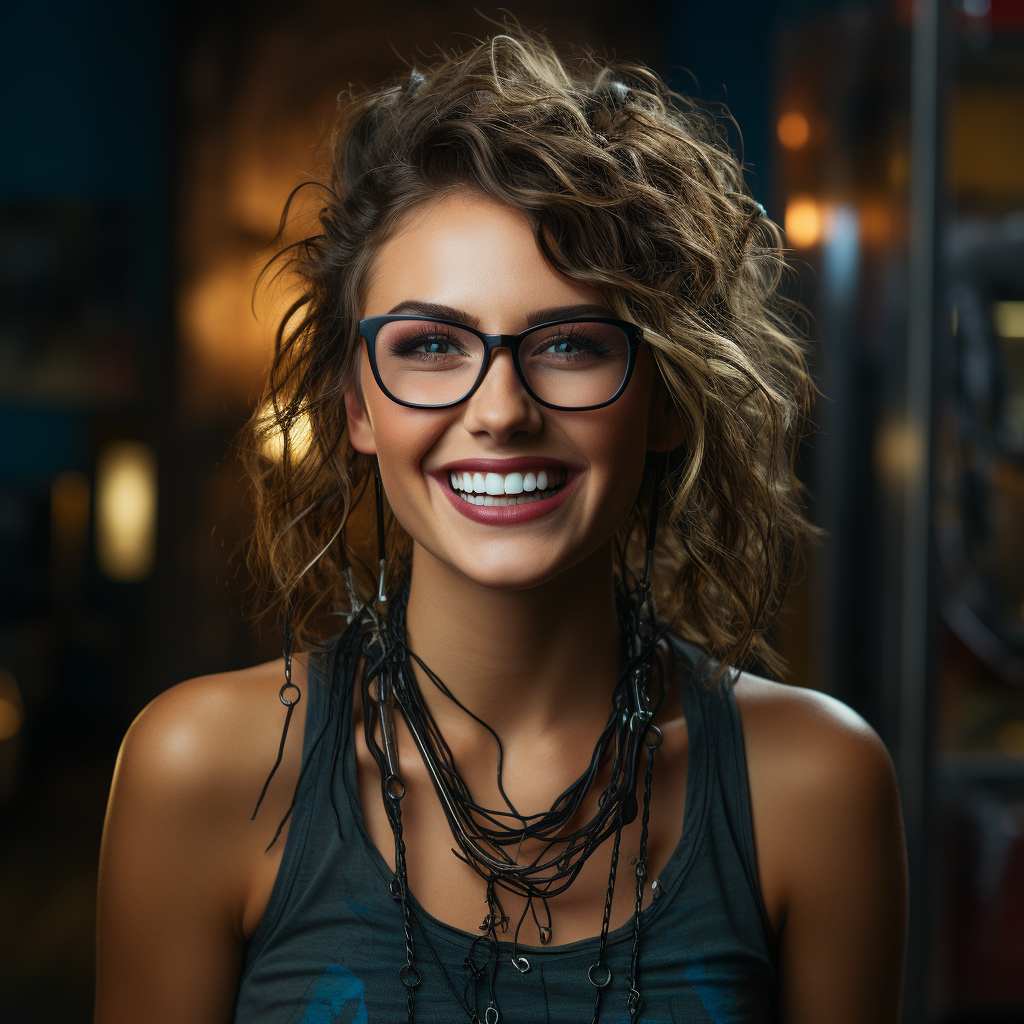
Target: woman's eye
point(569, 347)
point(563, 346)
point(430, 345)
point(435, 346)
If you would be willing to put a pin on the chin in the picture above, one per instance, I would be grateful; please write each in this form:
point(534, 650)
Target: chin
point(516, 570)
point(510, 577)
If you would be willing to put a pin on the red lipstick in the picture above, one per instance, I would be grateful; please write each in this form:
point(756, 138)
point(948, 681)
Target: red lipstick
point(506, 515)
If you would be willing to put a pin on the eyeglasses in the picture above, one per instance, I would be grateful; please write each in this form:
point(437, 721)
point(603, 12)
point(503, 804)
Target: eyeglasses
point(427, 363)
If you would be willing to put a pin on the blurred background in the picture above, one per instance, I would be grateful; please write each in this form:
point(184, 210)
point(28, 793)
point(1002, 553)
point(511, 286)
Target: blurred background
point(149, 149)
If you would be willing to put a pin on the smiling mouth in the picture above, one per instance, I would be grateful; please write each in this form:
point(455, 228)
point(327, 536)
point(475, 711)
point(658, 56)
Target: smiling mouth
point(508, 488)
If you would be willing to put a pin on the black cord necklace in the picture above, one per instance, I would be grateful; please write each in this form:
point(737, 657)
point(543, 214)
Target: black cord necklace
point(484, 835)
point(489, 840)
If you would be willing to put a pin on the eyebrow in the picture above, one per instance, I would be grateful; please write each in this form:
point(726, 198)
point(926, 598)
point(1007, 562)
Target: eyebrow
point(540, 316)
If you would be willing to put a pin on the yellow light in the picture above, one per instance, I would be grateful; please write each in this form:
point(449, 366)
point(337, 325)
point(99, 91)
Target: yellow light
point(1008, 319)
point(126, 487)
point(804, 221)
point(300, 436)
point(899, 452)
point(793, 129)
point(12, 711)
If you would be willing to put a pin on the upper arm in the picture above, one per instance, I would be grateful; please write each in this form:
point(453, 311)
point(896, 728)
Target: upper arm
point(831, 857)
point(180, 859)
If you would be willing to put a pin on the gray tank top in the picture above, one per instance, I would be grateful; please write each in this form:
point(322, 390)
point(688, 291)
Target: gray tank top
point(331, 941)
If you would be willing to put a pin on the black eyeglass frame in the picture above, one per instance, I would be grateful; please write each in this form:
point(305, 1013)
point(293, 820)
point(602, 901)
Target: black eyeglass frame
point(371, 325)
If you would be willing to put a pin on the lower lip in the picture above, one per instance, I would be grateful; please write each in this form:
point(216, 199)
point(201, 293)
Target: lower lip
point(509, 515)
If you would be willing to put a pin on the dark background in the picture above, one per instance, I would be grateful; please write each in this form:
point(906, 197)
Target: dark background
point(147, 153)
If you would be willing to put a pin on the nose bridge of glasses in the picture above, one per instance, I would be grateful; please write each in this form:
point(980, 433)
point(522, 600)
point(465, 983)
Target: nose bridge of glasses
point(493, 341)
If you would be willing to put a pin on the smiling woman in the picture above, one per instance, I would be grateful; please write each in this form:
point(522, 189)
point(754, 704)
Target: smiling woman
point(541, 319)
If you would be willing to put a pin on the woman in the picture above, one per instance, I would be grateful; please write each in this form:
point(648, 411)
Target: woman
point(545, 371)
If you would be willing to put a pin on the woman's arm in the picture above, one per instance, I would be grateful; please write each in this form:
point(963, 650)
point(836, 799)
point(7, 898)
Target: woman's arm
point(831, 856)
point(183, 877)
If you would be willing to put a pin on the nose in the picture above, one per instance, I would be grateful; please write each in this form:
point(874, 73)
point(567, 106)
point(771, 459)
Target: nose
point(500, 407)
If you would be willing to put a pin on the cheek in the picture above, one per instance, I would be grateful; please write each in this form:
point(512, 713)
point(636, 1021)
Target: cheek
point(618, 432)
point(618, 457)
point(616, 443)
point(403, 438)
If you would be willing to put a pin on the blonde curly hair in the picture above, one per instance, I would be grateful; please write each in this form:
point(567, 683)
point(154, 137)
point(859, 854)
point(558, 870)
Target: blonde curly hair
point(631, 189)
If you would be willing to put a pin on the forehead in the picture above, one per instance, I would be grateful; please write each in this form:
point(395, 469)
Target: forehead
point(469, 252)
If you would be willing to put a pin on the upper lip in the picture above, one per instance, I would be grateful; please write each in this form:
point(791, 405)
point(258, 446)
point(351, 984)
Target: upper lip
point(503, 466)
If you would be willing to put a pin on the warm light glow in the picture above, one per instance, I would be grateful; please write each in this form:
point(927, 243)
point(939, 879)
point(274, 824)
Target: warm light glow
point(899, 451)
point(804, 221)
point(126, 488)
point(875, 222)
point(12, 711)
point(1008, 319)
point(794, 130)
point(300, 435)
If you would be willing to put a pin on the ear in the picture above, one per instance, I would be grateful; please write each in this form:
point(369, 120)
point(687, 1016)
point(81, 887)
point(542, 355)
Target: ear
point(664, 426)
point(360, 429)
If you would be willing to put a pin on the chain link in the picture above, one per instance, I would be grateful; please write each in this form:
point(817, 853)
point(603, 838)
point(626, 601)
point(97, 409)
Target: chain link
point(634, 999)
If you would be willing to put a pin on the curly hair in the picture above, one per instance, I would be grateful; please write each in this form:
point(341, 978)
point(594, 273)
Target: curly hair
point(630, 189)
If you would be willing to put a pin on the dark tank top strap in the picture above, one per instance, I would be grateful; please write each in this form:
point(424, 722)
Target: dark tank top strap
point(727, 760)
point(325, 683)
point(736, 793)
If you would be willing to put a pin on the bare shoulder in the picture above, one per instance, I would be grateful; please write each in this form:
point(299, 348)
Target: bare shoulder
point(184, 874)
point(808, 738)
point(209, 742)
point(823, 798)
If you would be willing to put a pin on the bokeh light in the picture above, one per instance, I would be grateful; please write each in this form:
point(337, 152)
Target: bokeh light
point(804, 222)
point(126, 494)
point(794, 130)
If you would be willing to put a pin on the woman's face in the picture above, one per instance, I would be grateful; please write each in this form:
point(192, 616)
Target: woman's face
point(479, 260)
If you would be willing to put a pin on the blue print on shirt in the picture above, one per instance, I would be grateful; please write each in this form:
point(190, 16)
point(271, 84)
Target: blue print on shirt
point(337, 999)
point(717, 999)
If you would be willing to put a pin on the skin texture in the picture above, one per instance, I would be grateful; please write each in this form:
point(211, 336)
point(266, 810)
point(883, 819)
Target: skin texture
point(519, 622)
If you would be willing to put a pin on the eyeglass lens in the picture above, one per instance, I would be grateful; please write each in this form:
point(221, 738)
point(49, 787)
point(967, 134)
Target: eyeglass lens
point(571, 365)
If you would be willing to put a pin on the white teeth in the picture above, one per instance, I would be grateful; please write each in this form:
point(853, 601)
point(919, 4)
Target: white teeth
point(507, 489)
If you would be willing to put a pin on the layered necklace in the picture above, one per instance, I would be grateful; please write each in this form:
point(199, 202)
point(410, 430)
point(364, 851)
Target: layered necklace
point(490, 840)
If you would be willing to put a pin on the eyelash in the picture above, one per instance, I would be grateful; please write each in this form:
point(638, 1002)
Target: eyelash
point(576, 337)
point(414, 341)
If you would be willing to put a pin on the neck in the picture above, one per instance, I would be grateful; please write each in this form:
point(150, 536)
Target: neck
point(524, 661)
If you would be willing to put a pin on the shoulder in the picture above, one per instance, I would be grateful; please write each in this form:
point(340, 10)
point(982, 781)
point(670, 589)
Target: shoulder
point(207, 744)
point(823, 792)
point(184, 877)
point(806, 739)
